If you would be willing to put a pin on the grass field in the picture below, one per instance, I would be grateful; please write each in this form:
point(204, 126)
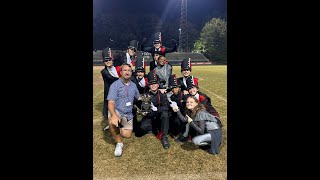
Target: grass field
point(144, 157)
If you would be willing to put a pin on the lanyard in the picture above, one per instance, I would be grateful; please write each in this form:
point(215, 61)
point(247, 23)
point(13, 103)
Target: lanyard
point(126, 87)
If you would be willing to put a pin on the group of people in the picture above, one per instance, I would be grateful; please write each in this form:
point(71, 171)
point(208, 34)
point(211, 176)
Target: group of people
point(176, 106)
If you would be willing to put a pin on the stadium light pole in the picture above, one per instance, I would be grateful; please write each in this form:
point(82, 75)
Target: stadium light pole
point(183, 36)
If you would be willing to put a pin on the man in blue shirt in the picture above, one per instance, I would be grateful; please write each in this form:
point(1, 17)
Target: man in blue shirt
point(120, 103)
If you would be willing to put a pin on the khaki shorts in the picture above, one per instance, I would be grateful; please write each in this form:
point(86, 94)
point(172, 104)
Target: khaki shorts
point(123, 120)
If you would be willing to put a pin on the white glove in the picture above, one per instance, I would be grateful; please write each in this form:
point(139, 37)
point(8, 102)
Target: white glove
point(189, 119)
point(153, 108)
point(174, 106)
point(176, 109)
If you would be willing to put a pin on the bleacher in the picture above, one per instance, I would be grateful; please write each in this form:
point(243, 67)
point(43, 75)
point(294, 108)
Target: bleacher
point(174, 58)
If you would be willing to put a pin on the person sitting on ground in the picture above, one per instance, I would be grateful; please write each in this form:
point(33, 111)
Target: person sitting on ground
point(193, 89)
point(157, 121)
point(208, 130)
point(141, 81)
point(178, 102)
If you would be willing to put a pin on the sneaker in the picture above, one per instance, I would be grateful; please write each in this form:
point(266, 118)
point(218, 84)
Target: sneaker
point(118, 150)
point(106, 128)
point(165, 142)
point(181, 139)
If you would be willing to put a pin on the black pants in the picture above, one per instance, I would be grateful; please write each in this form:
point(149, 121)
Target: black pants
point(176, 125)
point(105, 108)
point(155, 122)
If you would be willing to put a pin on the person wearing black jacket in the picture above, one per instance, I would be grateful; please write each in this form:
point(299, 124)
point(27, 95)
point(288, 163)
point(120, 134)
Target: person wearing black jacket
point(110, 74)
point(158, 47)
point(178, 99)
point(193, 89)
point(141, 81)
point(157, 121)
point(186, 73)
point(139, 77)
point(131, 55)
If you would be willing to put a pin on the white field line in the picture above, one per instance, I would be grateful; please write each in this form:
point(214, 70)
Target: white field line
point(224, 99)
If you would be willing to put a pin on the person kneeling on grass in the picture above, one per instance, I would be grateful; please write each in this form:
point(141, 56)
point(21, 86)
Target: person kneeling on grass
point(157, 121)
point(208, 130)
point(120, 102)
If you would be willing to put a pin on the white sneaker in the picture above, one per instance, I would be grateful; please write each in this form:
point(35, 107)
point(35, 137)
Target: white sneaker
point(106, 128)
point(118, 150)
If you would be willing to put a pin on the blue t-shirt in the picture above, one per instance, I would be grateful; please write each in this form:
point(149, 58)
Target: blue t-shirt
point(123, 95)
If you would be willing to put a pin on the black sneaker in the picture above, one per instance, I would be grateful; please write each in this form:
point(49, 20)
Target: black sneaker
point(165, 143)
point(181, 139)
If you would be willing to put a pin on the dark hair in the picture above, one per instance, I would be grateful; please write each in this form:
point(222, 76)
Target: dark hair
point(192, 113)
point(162, 56)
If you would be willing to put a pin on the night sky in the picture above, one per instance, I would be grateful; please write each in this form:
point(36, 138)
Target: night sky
point(197, 9)
point(198, 13)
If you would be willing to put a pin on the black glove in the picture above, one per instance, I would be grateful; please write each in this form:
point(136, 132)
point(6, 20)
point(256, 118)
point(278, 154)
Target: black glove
point(173, 41)
point(144, 40)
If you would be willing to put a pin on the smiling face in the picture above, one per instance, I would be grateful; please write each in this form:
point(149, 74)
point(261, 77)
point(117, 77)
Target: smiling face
point(108, 63)
point(193, 91)
point(186, 72)
point(176, 90)
point(191, 103)
point(126, 72)
point(154, 87)
point(162, 60)
point(140, 74)
point(132, 51)
point(157, 44)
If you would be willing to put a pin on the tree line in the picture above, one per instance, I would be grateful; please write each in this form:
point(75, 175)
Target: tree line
point(117, 31)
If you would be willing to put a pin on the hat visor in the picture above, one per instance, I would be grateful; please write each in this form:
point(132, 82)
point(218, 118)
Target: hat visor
point(140, 70)
point(173, 86)
point(183, 69)
point(132, 48)
point(107, 59)
point(192, 87)
point(153, 82)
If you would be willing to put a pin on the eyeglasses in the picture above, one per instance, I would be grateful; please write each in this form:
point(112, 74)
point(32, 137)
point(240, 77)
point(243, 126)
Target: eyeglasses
point(186, 70)
point(133, 49)
point(107, 60)
point(156, 43)
point(156, 54)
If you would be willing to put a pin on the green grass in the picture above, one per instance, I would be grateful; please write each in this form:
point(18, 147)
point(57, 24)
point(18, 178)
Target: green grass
point(144, 157)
